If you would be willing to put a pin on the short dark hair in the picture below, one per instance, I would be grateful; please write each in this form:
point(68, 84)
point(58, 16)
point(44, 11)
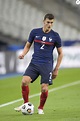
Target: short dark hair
point(49, 16)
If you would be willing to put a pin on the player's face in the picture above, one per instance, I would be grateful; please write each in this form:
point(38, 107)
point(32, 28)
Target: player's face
point(48, 24)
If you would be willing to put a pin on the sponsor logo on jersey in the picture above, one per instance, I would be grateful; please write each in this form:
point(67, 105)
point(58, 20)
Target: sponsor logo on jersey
point(37, 36)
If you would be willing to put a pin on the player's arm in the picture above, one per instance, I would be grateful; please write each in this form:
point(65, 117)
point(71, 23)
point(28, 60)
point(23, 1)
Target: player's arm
point(25, 50)
point(59, 59)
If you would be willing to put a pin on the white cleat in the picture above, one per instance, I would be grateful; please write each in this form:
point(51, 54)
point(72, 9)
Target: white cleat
point(40, 111)
point(18, 109)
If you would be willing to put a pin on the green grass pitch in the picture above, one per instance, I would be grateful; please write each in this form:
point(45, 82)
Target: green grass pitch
point(62, 104)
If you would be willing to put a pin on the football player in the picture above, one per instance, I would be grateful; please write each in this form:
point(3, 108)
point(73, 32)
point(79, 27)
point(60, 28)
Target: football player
point(45, 40)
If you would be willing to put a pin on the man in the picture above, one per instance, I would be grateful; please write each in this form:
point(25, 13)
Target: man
point(45, 40)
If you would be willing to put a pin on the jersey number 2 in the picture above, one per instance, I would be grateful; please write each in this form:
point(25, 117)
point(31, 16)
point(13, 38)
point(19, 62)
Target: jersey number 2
point(42, 47)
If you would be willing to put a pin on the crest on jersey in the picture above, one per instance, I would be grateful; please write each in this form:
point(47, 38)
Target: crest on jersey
point(43, 38)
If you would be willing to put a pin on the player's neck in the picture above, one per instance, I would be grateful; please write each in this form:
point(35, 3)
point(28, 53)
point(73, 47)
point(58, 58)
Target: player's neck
point(46, 30)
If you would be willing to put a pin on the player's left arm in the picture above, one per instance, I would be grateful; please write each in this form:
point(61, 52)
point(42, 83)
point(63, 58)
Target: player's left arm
point(59, 59)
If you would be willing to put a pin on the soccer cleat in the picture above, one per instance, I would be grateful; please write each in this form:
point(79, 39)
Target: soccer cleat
point(18, 109)
point(40, 111)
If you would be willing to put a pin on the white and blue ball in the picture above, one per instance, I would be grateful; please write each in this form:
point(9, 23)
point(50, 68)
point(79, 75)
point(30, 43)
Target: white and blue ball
point(27, 108)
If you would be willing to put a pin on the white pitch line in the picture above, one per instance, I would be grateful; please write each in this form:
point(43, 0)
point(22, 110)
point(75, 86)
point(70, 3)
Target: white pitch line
point(64, 86)
point(51, 90)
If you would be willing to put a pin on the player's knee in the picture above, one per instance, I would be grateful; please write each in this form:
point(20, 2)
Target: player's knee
point(26, 80)
point(44, 87)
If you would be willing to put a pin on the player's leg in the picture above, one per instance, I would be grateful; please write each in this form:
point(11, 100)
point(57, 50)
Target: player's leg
point(25, 91)
point(46, 79)
point(25, 88)
point(43, 97)
point(30, 75)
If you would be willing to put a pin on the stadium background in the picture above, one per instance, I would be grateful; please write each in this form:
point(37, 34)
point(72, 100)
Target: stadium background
point(18, 17)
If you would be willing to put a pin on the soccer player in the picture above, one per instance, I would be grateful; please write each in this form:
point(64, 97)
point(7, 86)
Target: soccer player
point(45, 40)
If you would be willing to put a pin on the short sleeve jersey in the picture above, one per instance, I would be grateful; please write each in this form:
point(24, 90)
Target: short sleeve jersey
point(44, 44)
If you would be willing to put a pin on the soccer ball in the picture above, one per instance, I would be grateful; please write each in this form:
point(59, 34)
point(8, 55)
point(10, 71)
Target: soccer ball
point(27, 108)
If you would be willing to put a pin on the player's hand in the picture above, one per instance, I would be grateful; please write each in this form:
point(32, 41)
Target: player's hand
point(21, 56)
point(54, 73)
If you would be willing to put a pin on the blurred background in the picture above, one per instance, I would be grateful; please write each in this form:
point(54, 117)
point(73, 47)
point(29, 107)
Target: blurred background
point(19, 17)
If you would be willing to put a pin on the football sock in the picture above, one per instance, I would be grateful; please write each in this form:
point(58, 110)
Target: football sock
point(25, 93)
point(43, 98)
